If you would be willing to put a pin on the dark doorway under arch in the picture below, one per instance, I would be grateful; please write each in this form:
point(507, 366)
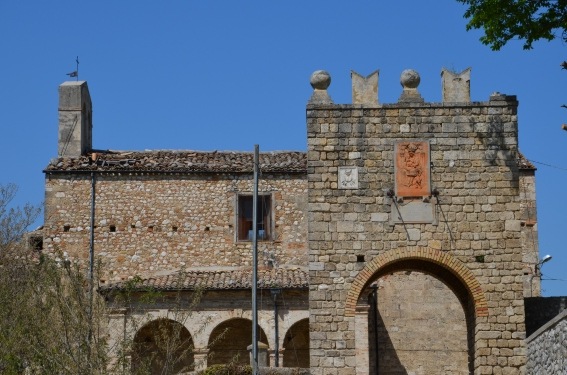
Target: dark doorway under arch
point(424, 321)
point(162, 346)
point(296, 345)
point(229, 340)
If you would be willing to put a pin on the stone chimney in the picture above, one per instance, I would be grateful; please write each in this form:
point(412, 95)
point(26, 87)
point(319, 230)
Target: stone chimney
point(456, 86)
point(75, 119)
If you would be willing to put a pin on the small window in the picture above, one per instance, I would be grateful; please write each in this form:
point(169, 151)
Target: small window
point(35, 242)
point(264, 217)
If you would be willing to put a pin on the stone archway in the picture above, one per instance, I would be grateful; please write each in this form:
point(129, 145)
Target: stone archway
point(229, 341)
point(417, 323)
point(162, 346)
point(296, 345)
point(440, 258)
point(422, 294)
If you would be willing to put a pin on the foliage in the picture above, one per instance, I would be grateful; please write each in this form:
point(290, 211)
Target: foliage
point(46, 326)
point(50, 323)
point(14, 221)
point(45, 311)
point(45, 318)
point(528, 20)
point(151, 345)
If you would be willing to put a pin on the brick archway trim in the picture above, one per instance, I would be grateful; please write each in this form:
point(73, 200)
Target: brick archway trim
point(440, 258)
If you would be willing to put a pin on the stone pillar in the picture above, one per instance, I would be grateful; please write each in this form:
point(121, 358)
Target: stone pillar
point(117, 329)
point(262, 355)
point(200, 357)
point(75, 119)
point(361, 339)
point(409, 80)
point(272, 355)
point(320, 81)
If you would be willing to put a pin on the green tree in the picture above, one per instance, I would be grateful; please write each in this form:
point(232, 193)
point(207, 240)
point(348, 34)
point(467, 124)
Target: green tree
point(14, 221)
point(44, 305)
point(527, 20)
point(49, 326)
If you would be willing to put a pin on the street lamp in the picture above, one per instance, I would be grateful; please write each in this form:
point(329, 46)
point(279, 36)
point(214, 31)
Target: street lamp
point(537, 272)
point(275, 293)
point(545, 259)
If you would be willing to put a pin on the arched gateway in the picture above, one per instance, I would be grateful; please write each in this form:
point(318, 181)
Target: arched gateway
point(388, 184)
point(415, 310)
point(447, 262)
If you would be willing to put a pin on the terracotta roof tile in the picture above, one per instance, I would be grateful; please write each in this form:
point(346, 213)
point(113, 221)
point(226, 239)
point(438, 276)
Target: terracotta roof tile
point(215, 280)
point(182, 162)
point(524, 163)
point(194, 162)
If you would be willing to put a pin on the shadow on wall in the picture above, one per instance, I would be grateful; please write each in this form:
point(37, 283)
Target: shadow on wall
point(382, 353)
point(496, 141)
point(229, 342)
point(296, 345)
point(421, 326)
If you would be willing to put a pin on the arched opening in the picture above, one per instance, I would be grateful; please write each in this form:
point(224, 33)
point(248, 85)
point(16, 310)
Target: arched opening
point(420, 320)
point(229, 341)
point(162, 346)
point(296, 345)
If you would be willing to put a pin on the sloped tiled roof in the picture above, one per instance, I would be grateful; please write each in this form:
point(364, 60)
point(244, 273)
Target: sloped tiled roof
point(182, 162)
point(524, 163)
point(217, 280)
point(194, 162)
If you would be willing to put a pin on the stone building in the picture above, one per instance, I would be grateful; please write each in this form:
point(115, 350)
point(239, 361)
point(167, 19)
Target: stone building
point(403, 241)
point(422, 237)
point(182, 220)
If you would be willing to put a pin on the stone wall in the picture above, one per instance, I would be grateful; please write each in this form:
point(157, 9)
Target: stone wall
point(150, 223)
point(469, 236)
point(529, 234)
point(540, 310)
point(547, 352)
point(223, 318)
point(437, 320)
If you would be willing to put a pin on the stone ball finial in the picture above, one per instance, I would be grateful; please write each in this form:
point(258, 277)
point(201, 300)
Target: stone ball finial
point(410, 79)
point(320, 80)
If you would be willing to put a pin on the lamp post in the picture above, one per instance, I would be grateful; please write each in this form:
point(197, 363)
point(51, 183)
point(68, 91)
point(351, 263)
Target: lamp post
point(537, 272)
point(275, 293)
point(545, 259)
point(255, 262)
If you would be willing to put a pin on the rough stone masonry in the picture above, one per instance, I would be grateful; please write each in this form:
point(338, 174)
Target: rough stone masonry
point(417, 221)
point(433, 193)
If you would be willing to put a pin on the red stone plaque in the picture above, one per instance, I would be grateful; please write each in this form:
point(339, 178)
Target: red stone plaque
point(412, 169)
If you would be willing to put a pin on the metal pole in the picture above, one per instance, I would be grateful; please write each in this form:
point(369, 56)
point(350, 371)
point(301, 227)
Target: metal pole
point(375, 313)
point(275, 293)
point(255, 264)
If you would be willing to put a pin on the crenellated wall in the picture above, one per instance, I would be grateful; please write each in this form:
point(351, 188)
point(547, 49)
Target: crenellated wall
point(417, 221)
point(431, 188)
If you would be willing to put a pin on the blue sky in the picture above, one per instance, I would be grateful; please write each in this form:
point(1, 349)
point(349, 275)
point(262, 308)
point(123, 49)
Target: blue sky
point(225, 75)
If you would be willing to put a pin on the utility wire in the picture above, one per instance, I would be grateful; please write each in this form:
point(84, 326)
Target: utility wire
point(546, 279)
point(547, 165)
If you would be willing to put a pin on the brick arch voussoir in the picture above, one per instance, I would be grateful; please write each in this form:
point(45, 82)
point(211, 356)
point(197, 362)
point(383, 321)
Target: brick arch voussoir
point(441, 258)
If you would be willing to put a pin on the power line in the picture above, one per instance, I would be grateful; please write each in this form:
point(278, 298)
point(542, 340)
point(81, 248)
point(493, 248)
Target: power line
point(547, 165)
